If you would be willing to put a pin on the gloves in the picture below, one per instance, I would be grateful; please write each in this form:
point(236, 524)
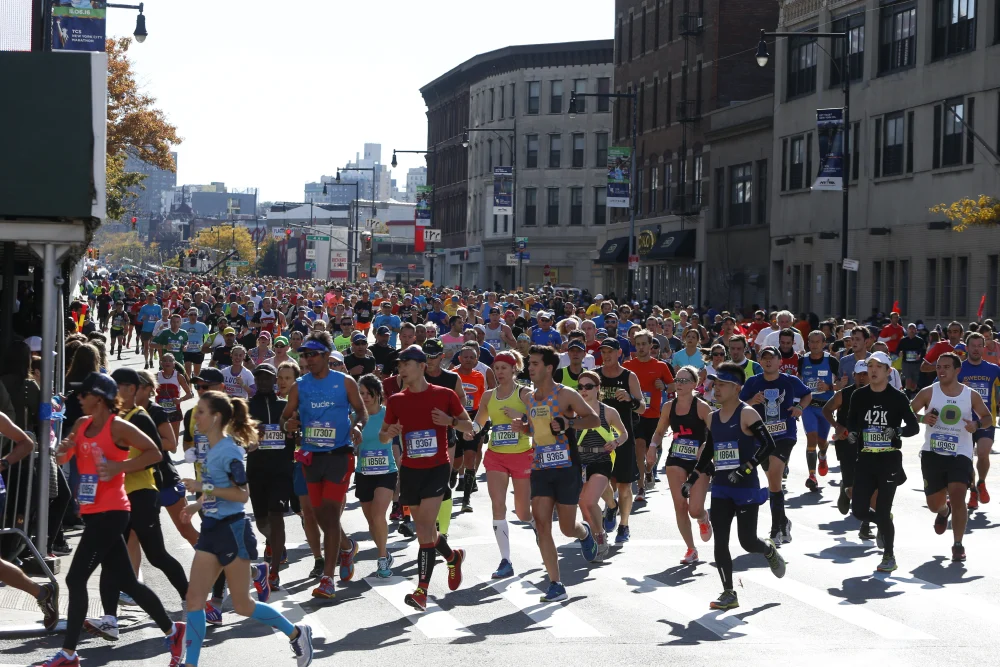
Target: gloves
point(852, 438)
point(737, 476)
point(891, 432)
point(688, 483)
point(190, 455)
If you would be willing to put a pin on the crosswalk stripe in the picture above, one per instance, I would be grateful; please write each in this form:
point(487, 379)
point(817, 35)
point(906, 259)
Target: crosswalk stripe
point(693, 610)
point(846, 611)
point(554, 617)
point(435, 623)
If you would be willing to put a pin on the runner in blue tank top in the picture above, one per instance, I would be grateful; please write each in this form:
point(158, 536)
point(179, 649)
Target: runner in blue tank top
point(319, 405)
point(740, 442)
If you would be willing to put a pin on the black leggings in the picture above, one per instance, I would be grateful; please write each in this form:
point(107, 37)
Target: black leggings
point(103, 544)
point(721, 515)
point(882, 473)
point(145, 521)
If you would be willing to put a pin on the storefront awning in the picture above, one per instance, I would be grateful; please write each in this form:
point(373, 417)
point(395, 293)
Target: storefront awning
point(615, 251)
point(674, 245)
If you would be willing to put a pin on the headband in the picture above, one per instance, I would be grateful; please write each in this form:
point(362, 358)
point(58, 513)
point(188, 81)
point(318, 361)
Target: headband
point(314, 345)
point(506, 358)
point(726, 376)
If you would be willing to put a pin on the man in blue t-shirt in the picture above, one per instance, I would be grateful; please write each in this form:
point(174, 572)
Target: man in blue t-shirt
point(148, 316)
point(385, 318)
point(438, 317)
point(544, 334)
point(982, 377)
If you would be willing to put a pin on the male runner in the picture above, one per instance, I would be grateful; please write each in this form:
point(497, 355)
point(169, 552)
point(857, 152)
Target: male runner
point(147, 318)
point(738, 355)
point(655, 378)
point(197, 332)
point(818, 370)
point(847, 452)
point(983, 377)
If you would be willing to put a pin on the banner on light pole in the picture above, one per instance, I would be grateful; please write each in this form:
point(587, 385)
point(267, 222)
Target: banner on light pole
point(78, 25)
point(503, 190)
point(424, 193)
point(830, 131)
point(619, 176)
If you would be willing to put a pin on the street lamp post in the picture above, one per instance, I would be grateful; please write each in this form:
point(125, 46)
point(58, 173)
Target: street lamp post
point(431, 153)
point(632, 201)
point(42, 35)
point(351, 240)
point(845, 75)
point(512, 149)
point(371, 252)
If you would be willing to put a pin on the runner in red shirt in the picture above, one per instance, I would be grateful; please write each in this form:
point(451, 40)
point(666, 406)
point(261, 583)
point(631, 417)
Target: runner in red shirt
point(892, 333)
point(953, 344)
point(655, 377)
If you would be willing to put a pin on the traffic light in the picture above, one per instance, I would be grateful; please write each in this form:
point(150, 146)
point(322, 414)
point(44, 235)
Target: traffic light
point(368, 243)
point(288, 234)
point(134, 221)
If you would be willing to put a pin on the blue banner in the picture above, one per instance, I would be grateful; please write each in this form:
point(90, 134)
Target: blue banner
point(78, 25)
point(503, 190)
point(830, 130)
point(619, 177)
point(424, 194)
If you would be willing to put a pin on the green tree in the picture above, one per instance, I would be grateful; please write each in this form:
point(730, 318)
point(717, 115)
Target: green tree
point(224, 238)
point(125, 248)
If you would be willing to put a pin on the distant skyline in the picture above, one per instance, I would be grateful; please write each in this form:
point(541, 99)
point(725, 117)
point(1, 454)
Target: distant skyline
point(274, 95)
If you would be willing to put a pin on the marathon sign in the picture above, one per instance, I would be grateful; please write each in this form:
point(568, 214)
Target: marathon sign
point(830, 130)
point(78, 25)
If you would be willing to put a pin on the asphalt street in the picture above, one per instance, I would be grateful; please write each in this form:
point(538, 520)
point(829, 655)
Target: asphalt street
point(639, 607)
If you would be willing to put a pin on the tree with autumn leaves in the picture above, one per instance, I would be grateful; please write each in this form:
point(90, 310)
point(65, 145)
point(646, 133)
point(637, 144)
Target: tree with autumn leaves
point(983, 211)
point(134, 126)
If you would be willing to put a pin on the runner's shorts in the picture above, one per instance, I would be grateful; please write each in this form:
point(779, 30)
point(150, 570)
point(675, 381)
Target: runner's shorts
point(365, 485)
point(813, 421)
point(517, 466)
point(417, 484)
point(645, 427)
point(228, 539)
point(329, 475)
point(561, 484)
point(939, 471)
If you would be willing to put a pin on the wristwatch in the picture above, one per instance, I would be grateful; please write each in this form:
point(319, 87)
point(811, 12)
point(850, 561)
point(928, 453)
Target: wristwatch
point(454, 421)
point(207, 488)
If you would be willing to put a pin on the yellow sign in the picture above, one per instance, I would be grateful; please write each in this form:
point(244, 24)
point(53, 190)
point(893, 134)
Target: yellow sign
point(427, 283)
point(646, 241)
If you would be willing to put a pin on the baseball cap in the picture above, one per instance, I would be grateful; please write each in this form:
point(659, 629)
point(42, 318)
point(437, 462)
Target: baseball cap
point(544, 315)
point(861, 366)
point(229, 330)
point(337, 356)
point(264, 334)
point(511, 313)
point(479, 327)
point(126, 376)
point(880, 357)
point(599, 297)
point(265, 368)
point(414, 353)
point(383, 331)
point(770, 349)
point(433, 347)
point(611, 342)
point(577, 345)
point(99, 385)
point(357, 337)
point(314, 346)
point(281, 340)
point(34, 343)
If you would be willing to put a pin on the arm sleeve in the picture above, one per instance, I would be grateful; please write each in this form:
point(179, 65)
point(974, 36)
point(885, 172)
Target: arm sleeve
point(766, 442)
point(705, 464)
point(834, 366)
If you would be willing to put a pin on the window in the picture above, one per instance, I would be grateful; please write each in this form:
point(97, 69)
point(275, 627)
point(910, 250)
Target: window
point(601, 150)
point(668, 184)
point(954, 27)
point(530, 206)
point(631, 33)
point(762, 192)
point(495, 216)
point(656, 26)
point(654, 176)
point(579, 140)
point(601, 205)
point(897, 44)
point(696, 185)
point(970, 138)
point(555, 151)
point(580, 87)
point(534, 96)
point(892, 147)
point(952, 144)
point(618, 43)
point(492, 104)
point(640, 112)
point(992, 283)
point(642, 33)
point(603, 88)
point(855, 27)
point(909, 143)
point(697, 93)
point(655, 116)
point(489, 153)
point(828, 291)
point(784, 164)
point(904, 286)
point(931, 304)
point(801, 65)
point(890, 283)
point(855, 150)
point(946, 285)
point(552, 212)
point(670, 20)
point(877, 286)
point(532, 150)
point(555, 97)
point(719, 185)
point(741, 194)
point(637, 199)
point(962, 287)
point(576, 206)
point(797, 157)
point(503, 107)
point(512, 101)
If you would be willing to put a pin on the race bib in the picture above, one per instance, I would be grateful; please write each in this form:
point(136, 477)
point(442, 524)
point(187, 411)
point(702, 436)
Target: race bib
point(375, 462)
point(944, 444)
point(469, 399)
point(911, 356)
point(200, 446)
point(193, 346)
point(648, 397)
point(168, 404)
point(727, 455)
point(273, 438)
point(174, 346)
point(982, 391)
point(685, 449)
point(552, 456)
point(320, 434)
point(87, 491)
point(209, 504)
point(504, 436)
point(421, 444)
point(776, 428)
point(876, 440)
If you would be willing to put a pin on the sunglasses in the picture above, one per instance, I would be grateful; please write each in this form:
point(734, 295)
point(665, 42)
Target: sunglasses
point(718, 354)
point(587, 387)
point(683, 381)
point(280, 345)
point(310, 354)
point(202, 387)
point(360, 342)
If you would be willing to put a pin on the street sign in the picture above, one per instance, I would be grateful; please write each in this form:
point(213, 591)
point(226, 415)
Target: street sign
point(317, 238)
point(429, 255)
point(432, 235)
point(232, 270)
point(411, 267)
point(633, 262)
point(851, 264)
point(525, 256)
point(310, 253)
point(512, 259)
point(547, 270)
point(522, 242)
point(310, 266)
point(233, 263)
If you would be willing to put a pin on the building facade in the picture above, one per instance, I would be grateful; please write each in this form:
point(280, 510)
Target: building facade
point(681, 59)
point(924, 131)
point(149, 196)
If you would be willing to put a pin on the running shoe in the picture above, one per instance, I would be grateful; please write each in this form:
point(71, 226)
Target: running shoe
point(261, 583)
point(505, 569)
point(105, 627)
point(623, 535)
point(984, 495)
point(405, 529)
point(843, 502)
point(175, 643)
point(455, 569)
point(325, 590)
point(888, 564)
point(347, 560)
point(640, 496)
point(727, 600)
point(775, 561)
point(397, 512)
point(302, 646)
point(318, 566)
point(690, 557)
point(49, 604)
point(610, 518)
point(941, 520)
point(824, 467)
point(973, 499)
point(213, 615)
point(417, 599)
point(467, 509)
point(602, 547)
point(589, 546)
point(274, 581)
point(384, 569)
point(775, 536)
point(556, 593)
point(650, 480)
point(786, 532)
point(958, 553)
point(866, 534)
point(812, 483)
point(126, 600)
point(705, 530)
point(62, 660)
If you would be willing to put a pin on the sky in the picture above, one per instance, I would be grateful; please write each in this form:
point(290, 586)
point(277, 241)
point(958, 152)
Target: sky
point(275, 94)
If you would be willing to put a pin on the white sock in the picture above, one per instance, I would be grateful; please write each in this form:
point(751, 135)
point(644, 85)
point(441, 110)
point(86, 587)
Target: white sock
point(502, 533)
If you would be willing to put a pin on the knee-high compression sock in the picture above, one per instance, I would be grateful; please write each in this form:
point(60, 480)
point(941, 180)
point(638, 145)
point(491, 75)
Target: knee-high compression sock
point(425, 565)
point(219, 589)
point(265, 613)
point(194, 636)
point(502, 533)
point(443, 548)
point(444, 515)
point(777, 500)
point(470, 477)
point(811, 461)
